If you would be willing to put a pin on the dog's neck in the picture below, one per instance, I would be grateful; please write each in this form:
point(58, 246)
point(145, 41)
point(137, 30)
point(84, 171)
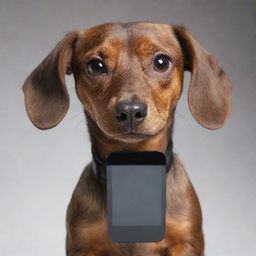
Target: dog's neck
point(103, 145)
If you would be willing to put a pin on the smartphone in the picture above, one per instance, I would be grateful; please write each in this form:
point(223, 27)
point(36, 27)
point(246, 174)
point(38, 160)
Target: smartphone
point(136, 196)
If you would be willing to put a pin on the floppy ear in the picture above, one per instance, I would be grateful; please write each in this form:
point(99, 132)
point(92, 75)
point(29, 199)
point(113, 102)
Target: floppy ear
point(210, 90)
point(46, 96)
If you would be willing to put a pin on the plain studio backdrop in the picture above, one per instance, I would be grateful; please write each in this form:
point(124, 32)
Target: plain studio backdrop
point(39, 169)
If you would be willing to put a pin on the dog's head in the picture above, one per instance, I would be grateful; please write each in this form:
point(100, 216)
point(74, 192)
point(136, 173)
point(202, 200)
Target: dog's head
point(129, 78)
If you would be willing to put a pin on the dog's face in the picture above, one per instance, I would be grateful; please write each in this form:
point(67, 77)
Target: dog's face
point(129, 79)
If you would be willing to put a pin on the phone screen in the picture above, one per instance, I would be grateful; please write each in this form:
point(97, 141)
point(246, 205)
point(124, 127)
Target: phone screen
point(136, 196)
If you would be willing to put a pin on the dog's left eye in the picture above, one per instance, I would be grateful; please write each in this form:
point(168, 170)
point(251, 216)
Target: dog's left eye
point(161, 63)
point(96, 67)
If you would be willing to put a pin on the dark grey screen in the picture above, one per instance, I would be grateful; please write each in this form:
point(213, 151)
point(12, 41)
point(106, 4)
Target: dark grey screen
point(137, 194)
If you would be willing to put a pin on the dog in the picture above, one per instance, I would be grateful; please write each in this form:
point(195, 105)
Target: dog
point(129, 77)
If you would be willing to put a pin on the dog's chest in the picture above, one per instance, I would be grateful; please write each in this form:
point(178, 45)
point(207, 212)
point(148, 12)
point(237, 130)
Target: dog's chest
point(95, 242)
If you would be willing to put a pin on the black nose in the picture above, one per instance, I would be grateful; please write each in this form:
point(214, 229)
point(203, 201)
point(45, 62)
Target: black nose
point(130, 113)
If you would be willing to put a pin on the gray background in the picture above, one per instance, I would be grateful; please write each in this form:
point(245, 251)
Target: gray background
point(39, 169)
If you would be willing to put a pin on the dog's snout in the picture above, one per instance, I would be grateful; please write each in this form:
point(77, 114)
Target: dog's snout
point(130, 114)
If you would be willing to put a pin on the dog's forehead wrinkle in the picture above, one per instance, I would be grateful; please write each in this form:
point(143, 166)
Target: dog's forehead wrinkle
point(106, 36)
point(142, 41)
point(134, 38)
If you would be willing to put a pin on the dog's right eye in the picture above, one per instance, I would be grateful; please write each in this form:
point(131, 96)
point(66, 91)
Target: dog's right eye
point(96, 67)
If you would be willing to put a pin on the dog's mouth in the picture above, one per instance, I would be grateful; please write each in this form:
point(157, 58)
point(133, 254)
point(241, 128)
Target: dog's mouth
point(133, 135)
point(133, 132)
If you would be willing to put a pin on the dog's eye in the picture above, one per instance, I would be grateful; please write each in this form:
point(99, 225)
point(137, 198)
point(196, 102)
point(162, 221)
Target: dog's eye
point(161, 63)
point(96, 67)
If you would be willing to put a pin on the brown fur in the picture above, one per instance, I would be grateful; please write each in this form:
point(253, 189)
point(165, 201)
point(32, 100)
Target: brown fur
point(128, 50)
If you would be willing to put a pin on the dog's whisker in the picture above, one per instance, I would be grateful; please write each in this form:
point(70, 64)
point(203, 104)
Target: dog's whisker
point(164, 119)
point(159, 112)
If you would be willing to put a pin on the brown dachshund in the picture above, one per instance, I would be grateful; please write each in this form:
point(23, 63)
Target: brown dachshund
point(129, 78)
